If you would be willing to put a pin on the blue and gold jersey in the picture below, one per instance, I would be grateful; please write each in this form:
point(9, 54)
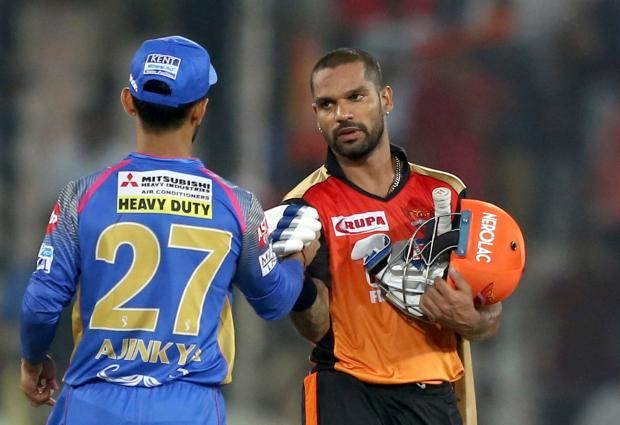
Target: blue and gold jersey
point(149, 248)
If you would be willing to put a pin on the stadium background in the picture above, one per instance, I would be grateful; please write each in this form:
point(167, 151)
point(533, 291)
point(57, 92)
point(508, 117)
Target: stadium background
point(518, 97)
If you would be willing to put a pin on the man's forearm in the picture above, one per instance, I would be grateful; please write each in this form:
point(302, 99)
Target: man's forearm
point(37, 329)
point(313, 323)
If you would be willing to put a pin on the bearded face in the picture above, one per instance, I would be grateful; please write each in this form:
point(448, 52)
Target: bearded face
point(349, 110)
point(354, 139)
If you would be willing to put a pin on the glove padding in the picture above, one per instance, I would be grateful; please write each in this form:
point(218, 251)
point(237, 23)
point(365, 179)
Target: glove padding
point(402, 284)
point(292, 227)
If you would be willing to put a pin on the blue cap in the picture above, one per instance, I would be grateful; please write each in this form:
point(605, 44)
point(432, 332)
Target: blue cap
point(182, 64)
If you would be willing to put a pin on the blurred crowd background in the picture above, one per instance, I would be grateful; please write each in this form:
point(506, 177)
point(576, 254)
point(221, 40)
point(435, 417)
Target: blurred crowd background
point(520, 98)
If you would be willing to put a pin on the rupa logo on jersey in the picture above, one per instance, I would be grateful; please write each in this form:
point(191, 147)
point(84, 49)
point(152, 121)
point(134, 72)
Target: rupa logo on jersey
point(164, 192)
point(360, 223)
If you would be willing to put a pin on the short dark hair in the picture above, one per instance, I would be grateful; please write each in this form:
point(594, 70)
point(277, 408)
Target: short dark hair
point(344, 55)
point(159, 118)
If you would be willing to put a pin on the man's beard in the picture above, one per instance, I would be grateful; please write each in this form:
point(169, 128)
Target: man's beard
point(360, 148)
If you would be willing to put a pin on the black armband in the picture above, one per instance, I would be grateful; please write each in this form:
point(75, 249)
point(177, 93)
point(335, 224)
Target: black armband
point(307, 296)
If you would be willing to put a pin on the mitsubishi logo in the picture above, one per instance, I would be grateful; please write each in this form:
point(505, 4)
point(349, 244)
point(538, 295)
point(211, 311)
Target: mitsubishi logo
point(129, 181)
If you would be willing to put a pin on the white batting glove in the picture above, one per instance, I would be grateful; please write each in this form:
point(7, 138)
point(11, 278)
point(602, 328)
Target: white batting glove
point(292, 227)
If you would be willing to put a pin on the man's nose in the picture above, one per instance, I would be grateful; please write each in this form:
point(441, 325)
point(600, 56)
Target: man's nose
point(343, 113)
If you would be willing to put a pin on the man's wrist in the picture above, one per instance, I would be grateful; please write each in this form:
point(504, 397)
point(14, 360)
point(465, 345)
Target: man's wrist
point(30, 366)
point(307, 296)
point(33, 363)
point(299, 256)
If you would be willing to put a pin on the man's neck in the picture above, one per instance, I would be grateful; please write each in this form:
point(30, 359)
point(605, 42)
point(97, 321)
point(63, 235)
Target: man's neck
point(374, 173)
point(173, 144)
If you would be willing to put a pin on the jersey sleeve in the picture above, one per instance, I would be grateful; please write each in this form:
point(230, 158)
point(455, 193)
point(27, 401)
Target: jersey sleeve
point(270, 286)
point(53, 283)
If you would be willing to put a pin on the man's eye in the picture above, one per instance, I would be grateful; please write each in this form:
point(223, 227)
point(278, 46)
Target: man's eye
point(357, 97)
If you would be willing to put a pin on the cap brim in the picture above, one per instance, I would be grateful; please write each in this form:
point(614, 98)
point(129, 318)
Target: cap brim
point(212, 75)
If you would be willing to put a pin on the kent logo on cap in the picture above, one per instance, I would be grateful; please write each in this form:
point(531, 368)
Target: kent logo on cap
point(183, 65)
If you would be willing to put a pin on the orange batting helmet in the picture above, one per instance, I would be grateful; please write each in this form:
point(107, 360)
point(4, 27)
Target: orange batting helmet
point(483, 243)
point(490, 253)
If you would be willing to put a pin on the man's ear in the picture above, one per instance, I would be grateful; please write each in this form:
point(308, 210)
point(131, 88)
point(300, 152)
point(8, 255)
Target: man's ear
point(199, 110)
point(127, 102)
point(386, 99)
point(315, 109)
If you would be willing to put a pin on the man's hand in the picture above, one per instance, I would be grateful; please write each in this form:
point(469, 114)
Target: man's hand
point(292, 227)
point(454, 308)
point(38, 381)
point(306, 255)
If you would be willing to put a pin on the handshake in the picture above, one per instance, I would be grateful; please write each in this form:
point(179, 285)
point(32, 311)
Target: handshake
point(294, 229)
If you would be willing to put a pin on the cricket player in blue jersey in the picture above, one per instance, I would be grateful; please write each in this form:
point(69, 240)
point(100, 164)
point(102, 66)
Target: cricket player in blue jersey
point(149, 249)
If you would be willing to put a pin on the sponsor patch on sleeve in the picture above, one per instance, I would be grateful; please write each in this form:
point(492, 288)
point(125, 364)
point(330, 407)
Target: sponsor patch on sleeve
point(51, 225)
point(267, 261)
point(164, 192)
point(263, 234)
point(46, 257)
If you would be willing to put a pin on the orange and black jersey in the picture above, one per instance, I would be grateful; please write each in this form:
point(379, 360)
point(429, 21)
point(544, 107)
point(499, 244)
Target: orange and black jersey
point(369, 338)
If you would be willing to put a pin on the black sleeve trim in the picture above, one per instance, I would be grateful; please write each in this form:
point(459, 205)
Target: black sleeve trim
point(308, 295)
